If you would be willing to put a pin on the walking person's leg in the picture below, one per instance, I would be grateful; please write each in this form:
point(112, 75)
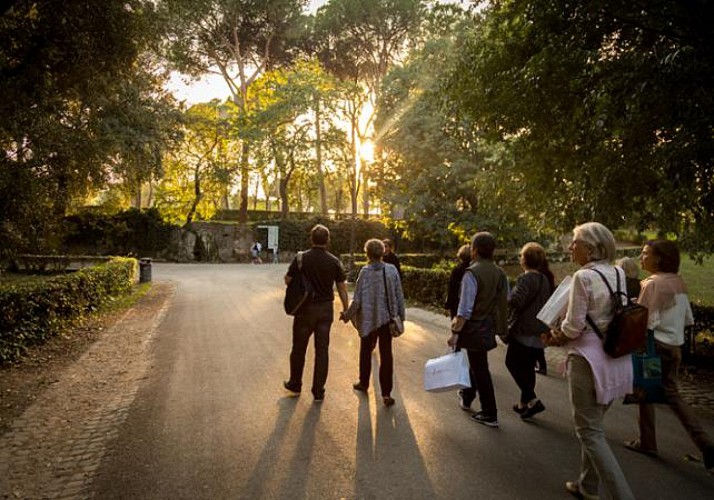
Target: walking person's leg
point(386, 361)
point(520, 363)
point(302, 329)
point(366, 346)
point(671, 360)
point(599, 463)
point(482, 377)
point(324, 316)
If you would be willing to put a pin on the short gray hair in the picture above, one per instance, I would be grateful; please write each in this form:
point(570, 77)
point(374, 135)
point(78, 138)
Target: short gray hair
point(629, 265)
point(374, 249)
point(598, 239)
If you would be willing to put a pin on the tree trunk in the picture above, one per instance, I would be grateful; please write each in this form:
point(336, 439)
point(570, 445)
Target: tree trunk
point(318, 155)
point(244, 171)
point(283, 189)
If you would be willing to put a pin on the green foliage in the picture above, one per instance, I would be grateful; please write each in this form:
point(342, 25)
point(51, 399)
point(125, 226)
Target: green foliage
point(31, 313)
point(198, 171)
point(605, 104)
point(82, 105)
point(133, 232)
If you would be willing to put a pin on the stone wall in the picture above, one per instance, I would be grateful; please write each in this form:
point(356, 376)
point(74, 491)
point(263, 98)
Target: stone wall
point(210, 242)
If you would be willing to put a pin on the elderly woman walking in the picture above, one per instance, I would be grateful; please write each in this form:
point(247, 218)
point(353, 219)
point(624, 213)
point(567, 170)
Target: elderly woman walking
point(669, 312)
point(377, 298)
point(595, 379)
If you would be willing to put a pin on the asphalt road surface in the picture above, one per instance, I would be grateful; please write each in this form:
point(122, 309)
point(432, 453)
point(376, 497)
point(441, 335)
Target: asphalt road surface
point(212, 420)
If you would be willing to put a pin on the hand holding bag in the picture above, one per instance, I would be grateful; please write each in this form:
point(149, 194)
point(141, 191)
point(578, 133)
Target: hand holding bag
point(448, 372)
point(396, 325)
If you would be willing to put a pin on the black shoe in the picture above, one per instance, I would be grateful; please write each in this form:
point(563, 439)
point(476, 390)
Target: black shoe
point(291, 387)
point(519, 409)
point(319, 397)
point(533, 410)
point(388, 401)
point(542, 371)
point(485, 419)
point(358, 386)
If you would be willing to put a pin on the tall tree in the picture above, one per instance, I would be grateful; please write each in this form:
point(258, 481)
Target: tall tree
point(240, 40)
point(80, 105)
point(358, 41)
point(286, 128)
point(606, 105)
point(438, 169)
point(193, 182)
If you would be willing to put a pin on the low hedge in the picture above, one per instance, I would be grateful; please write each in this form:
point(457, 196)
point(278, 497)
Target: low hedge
point(31, 313)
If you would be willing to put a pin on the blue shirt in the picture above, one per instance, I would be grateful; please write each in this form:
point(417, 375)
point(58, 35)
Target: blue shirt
point(469, 289)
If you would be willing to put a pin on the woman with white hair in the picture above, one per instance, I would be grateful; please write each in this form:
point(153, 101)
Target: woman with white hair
point(595, 379)
point(377, 298)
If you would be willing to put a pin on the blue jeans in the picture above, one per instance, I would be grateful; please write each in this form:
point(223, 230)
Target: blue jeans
point(316, 318)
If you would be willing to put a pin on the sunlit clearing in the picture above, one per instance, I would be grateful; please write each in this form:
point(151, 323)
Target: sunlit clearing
point(366, 151)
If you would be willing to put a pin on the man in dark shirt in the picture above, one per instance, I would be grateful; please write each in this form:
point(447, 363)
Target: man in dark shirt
point(390, 257)
point(320, 269)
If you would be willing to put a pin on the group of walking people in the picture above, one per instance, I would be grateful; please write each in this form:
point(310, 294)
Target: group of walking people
point(482, 307)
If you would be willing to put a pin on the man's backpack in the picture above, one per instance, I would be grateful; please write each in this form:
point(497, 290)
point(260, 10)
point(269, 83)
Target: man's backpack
point(627, 332)
point(299, 292)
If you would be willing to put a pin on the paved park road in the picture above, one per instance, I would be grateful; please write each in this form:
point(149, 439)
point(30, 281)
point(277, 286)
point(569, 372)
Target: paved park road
point(211, 420)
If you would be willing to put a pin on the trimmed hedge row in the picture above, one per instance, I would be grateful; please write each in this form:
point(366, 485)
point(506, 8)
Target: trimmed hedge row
point(32, 313)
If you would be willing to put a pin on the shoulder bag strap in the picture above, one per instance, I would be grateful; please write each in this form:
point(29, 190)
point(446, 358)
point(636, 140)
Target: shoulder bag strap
point(386, 290)
point(613, 297)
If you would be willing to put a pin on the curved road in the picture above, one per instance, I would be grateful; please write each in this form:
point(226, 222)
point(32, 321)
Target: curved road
point(211, 419)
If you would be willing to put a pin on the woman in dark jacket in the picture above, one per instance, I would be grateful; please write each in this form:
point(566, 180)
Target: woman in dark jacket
point(532, 290)
point(452, 295)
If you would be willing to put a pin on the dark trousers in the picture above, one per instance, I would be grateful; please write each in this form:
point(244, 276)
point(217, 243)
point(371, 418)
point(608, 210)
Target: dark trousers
point(521, 361)
point(671, 359)
point(386, 359)
point(316, 318)
point(480, 382)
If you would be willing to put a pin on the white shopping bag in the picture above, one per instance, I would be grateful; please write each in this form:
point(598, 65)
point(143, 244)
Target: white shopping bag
point(447, 373)
point(553, 311)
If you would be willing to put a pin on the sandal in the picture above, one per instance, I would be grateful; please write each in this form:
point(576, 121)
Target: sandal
point(635, 445)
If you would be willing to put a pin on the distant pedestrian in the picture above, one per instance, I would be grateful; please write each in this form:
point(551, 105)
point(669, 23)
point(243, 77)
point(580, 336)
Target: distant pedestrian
point(632, 276)
point(377, 298)
point(525, 347)
point(390, 257)
point(321, 269)
point(595, 379)
point(457, 274)
point(665, 296)
point(481, 315)
point(255, 253)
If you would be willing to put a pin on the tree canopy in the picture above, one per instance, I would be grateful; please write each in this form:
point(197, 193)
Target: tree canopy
point(524, 117)
point(80, 107)
point(605, 105)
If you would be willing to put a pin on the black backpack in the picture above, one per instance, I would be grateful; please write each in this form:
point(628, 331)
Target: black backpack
point(299, 292)
point(627, 332)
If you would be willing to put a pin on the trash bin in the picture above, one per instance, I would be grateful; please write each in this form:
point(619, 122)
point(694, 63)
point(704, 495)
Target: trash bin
point(144, 270)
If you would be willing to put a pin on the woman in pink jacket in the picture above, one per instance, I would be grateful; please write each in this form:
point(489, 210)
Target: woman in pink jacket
point(665, 296)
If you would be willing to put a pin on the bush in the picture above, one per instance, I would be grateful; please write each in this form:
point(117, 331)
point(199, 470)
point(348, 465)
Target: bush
point(131, 232)
point(31, 313)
